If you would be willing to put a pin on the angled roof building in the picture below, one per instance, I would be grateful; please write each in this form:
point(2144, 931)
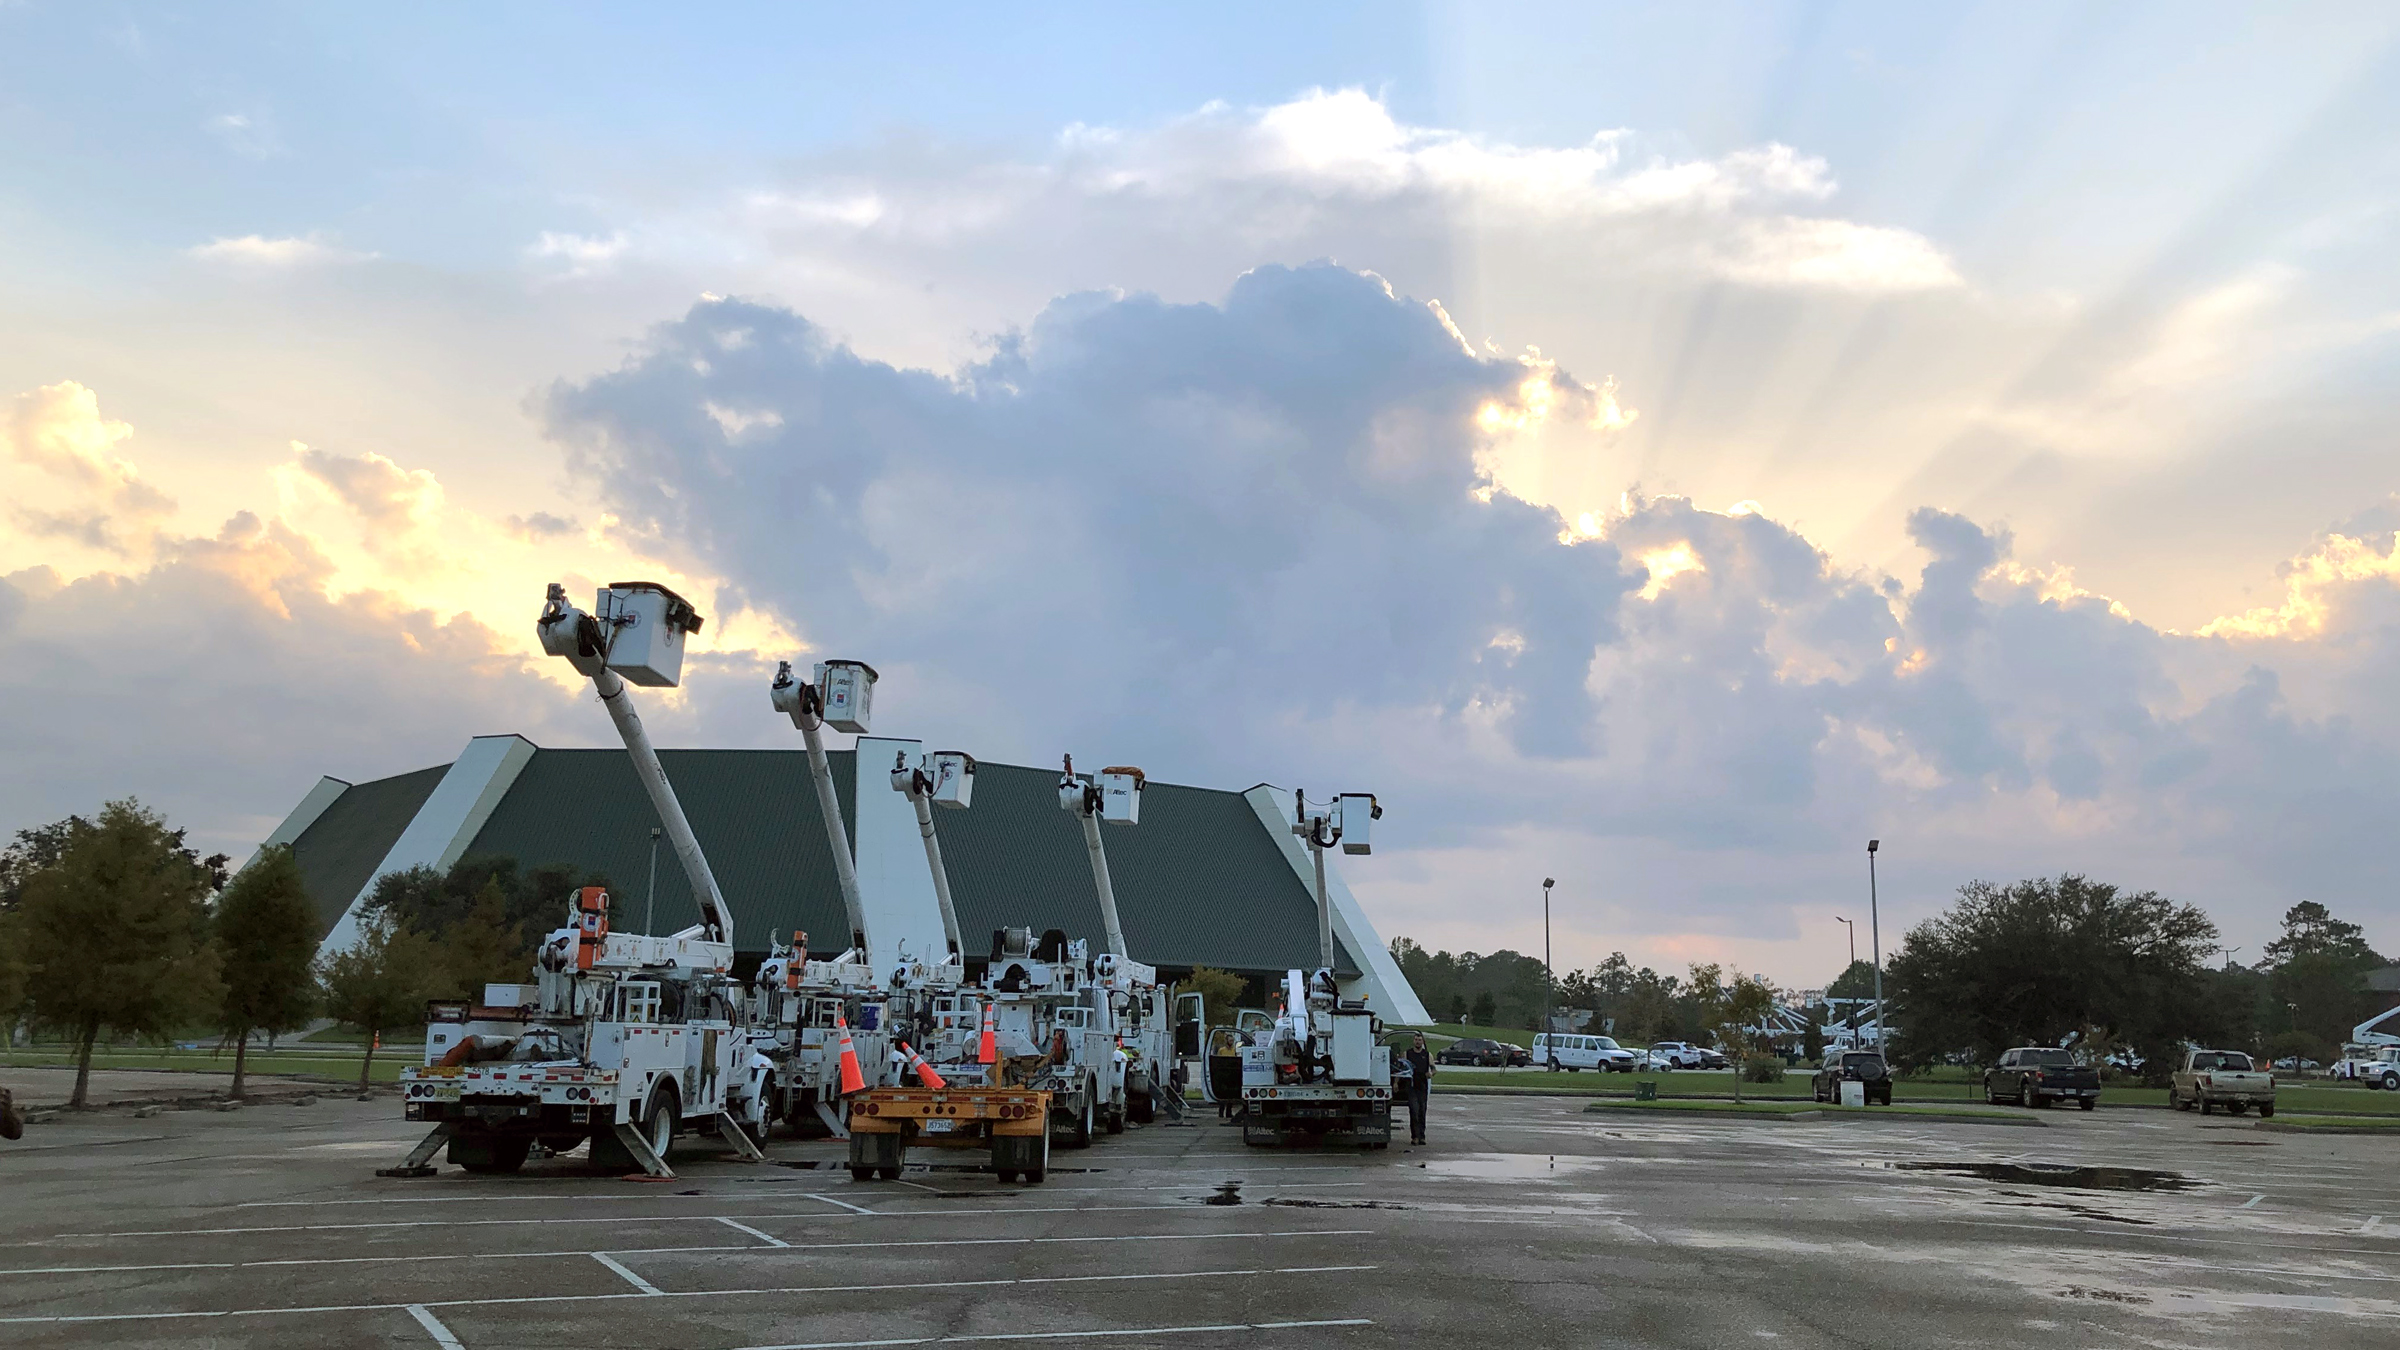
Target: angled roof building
point(1209, 877)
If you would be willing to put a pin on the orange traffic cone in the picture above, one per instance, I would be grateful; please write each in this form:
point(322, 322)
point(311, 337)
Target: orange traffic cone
point(852, 1079)
point(925, 1073)
point(989, 1051)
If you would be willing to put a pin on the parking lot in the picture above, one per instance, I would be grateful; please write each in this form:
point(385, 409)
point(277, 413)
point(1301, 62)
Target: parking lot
point(1528, 1222)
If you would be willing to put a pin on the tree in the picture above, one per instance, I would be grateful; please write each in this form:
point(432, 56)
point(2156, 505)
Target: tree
point(1483, 1011)
point(113, 933)
point(2309, 929)
point(2316, 978)
point(1734, 1011)
point(482, 948)
point(381, 983)
point(1220, 993)
point(2040, 961)
point(266, 938)
point(31, 851)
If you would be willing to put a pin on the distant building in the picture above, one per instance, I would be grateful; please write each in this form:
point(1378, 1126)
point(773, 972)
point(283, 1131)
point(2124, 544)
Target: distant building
point(1209, 877)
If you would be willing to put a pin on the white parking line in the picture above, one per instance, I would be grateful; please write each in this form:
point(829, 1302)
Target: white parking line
point(1204, 1166)
point(391, 1259)
point(433, 1326)
point(630, 1278)
point(2252, 1202)
point(855, 1209)
point(910, 1287)
point(1071, 1335)
point(763, 1237)
point(2373, 1220)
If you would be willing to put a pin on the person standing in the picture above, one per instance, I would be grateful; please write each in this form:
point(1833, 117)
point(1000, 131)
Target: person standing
point(1420, 1087)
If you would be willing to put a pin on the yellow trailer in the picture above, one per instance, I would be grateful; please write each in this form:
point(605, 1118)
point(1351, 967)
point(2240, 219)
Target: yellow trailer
point(1012, 1123)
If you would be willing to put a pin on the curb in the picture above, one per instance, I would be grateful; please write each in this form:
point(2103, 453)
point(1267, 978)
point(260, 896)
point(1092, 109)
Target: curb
point(2279, 1127)
point(1738, 1113)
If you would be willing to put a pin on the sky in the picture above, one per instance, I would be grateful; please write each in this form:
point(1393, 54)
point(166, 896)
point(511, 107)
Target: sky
point(1654, 447)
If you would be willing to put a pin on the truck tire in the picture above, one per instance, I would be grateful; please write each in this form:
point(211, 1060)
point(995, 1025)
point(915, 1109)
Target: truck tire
point(661, 1121)
point(2089, 1103)
point(2026, 1096)
point(1142, 1107)
point(1113, 1118)
point(2266, 1110)
point(491, 1153)
point(2207, 1107)
point(2390, 1081)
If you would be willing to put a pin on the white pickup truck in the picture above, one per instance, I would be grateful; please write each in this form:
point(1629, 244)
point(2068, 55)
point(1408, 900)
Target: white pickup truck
point(2213, 1078)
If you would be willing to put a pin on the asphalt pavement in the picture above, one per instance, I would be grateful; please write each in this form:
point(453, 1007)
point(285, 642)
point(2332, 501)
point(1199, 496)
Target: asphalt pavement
point(1526, 1223)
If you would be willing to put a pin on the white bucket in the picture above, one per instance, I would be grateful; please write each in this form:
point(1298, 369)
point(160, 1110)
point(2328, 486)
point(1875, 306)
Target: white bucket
point(1854, 1093)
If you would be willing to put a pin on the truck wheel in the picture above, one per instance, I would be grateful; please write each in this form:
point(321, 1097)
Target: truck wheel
point(2390, 1080)
point(2089, 1102)
point(2266, 1110)
point(1078, 1133)
point(1142, 1107)
point(659, 1125)
point(862, 1174)
point(2207, 1107)
point(496, 1153)
point(1006, 1175)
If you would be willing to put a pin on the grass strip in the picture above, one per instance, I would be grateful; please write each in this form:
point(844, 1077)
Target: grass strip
point(2331, 1125)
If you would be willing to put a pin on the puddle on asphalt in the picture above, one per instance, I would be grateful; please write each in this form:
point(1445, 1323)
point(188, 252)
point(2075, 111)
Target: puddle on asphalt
point(2049, 1174)
point(1289, 1203)
point(1509, 1166)
point(838, 1165)
point(1228, 1193)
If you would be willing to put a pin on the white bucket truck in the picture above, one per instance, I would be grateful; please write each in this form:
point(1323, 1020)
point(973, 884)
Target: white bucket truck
point(1320, 1075)
point(622, 1039)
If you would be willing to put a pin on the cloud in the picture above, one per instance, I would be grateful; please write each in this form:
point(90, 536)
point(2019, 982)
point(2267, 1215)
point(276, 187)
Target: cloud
point(81, 490)
point(221, 681)
point(1256, 539)
point(583, 254)
point(389, 499)
point(541, 525)
point(250, 135)
point(285, 253)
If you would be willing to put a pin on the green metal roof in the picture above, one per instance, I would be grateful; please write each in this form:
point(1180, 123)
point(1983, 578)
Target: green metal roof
point(340, 849)
point(755, 813)
point(1198, 882)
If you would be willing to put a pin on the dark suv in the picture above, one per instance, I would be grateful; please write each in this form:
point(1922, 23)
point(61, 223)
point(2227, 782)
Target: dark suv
point(1859, 1066)
point(1474, 1050)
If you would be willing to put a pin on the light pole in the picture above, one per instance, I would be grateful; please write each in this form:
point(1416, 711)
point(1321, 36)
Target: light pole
point(1849, 926)
point(650, 901)
point(2229, 951)
point(1875, 937)
point(1547, 981)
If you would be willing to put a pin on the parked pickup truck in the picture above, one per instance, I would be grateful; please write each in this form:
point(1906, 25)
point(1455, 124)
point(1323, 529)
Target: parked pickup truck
point(2037, 1075)
point(2213, 1078)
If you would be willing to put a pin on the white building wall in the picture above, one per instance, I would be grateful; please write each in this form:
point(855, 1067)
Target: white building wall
point(1385, 989)
point(895, 883)
point(446, 824)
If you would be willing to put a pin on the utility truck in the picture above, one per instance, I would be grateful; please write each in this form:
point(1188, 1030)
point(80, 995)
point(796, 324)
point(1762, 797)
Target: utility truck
point(2372, 1055)
point(1322, 1073)
point(622, 1039)
point(1087, 1036)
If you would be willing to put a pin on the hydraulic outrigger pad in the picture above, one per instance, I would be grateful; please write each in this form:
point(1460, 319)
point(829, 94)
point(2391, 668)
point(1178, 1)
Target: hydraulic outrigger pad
point(419, 1162)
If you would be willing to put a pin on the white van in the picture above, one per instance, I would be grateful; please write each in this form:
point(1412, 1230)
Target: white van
point(1575, 1053)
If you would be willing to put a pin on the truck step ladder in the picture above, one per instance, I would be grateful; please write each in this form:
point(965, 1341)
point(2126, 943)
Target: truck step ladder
point(735, 1135)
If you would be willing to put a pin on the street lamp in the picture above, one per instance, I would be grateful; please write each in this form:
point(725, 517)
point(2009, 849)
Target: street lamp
point(1547, 981)
point(650, 901)
point(1849, 926)
point(1875, 937)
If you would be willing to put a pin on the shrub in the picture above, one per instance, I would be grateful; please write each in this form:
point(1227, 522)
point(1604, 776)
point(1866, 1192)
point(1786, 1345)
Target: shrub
point(1761, 1068)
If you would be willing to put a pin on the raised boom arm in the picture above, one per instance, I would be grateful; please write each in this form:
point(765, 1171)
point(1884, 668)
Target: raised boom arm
point(807, 705)
point(639, 631)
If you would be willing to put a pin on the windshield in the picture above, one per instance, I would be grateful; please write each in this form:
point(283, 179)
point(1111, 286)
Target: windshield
point(2050, 1059)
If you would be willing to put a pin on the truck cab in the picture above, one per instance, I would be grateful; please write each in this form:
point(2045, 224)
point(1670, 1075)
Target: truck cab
point(2209, 1079)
